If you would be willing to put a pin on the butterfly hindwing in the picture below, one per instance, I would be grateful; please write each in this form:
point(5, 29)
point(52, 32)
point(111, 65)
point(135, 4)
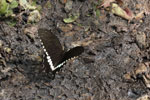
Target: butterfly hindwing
point(74, 52)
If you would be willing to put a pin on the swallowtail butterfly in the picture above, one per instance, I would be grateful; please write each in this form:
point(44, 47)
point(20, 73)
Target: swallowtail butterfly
point(55, 57)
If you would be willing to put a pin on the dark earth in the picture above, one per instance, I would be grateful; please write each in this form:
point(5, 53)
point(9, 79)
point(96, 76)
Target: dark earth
point(114, 49)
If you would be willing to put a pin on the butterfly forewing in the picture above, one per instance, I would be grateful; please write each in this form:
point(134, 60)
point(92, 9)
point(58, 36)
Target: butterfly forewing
point(51, 45)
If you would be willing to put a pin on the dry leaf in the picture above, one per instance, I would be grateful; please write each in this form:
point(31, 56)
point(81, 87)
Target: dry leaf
point(126, 13)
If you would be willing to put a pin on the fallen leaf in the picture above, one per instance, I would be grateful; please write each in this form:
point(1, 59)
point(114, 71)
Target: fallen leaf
point(71, 18)
point(127, 14)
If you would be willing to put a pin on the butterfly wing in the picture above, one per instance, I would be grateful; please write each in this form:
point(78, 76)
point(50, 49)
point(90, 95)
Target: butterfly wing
point(74, 52)
point(52, 47)
point(54, 54)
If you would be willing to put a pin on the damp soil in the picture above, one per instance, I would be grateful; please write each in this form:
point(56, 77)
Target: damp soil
point(113, 46)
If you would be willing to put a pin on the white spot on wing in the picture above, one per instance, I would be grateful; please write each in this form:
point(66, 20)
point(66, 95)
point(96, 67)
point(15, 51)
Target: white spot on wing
point(48, 57)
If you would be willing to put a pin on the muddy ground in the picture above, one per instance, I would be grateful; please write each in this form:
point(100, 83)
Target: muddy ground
point(108, 69)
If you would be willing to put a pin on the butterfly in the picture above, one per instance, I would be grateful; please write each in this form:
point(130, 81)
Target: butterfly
point(55, 57)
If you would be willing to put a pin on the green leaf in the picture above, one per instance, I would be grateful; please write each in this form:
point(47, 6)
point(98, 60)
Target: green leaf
point(13, 4)
point(3, 7)
point(71, 18)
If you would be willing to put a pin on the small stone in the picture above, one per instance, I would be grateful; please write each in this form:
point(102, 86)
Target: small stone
point(141, 39)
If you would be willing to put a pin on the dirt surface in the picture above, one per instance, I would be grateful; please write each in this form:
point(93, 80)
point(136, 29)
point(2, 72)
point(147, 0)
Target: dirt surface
point(108, 69)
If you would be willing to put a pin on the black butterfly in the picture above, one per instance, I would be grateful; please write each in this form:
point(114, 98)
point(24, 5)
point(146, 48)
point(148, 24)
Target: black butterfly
point(54, 53)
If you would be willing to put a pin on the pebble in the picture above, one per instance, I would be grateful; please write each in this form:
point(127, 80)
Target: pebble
point(141, 39)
